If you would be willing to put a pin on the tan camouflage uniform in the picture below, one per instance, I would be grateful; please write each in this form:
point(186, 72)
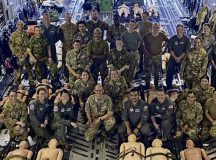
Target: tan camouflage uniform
point(13, 114)
point(191, 116)
point(76, 61)
point(96, 110)
point(194, 66)
point(18, 45)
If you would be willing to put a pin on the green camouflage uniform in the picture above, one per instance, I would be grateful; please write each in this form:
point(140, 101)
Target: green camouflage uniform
point(182, 96)
point(13, 114)
point(38, 113)
point(63, 116)
point(118, 59)
point(113, 32)
point(203, 94)
point(116, 90)
point(206, 124)
point(83, 89)
point(18, 45)
point(38, 47)
point(191, 116)
point(96, 110)
point(194, 66)
point(77, 61)
point(68, 32)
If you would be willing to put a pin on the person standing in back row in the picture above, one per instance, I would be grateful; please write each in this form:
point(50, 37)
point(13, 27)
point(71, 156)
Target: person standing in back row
point(132, 39)
point(178, 46)
point(154, 42)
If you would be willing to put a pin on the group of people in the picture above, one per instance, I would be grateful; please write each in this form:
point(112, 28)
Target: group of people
point(113, 105)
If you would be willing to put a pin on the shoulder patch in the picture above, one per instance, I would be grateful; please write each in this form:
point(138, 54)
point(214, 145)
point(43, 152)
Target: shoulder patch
point(55, 109)
point(170, 106)
point(31, 107)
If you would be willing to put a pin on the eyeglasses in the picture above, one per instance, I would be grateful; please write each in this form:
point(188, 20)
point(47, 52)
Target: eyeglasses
point(98, 90)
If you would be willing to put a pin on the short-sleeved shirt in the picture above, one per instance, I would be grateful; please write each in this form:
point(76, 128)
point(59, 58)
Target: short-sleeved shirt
point(98, 108)
point(179, 46)
point(144, 27)
point(211, 107)
point(153, 44)
point(131, 40)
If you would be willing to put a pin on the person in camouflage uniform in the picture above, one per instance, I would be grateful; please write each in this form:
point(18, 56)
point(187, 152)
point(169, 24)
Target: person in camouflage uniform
point(95, 22)
point(63, 117)
point(114, 31)
point(119, 58)
point(76, 61)
point(182, 96)
point(188, 117)
point(67, 31)
point(194, 65)
point(51, 32)
point(39, 113)
point(208, 39)
point(99, 112)
point(115, 86)
point(98, 51)
point(39, 51)
point(209, 122)
point(83, 88)
point(203, 91)
point(15, 117)
point(83, 35)
point(18, 45)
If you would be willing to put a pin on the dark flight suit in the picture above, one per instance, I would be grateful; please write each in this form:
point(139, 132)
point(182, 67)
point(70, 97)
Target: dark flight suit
point(163, 113)
point(134, 115)
point(38, 113)
point(63, 116)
